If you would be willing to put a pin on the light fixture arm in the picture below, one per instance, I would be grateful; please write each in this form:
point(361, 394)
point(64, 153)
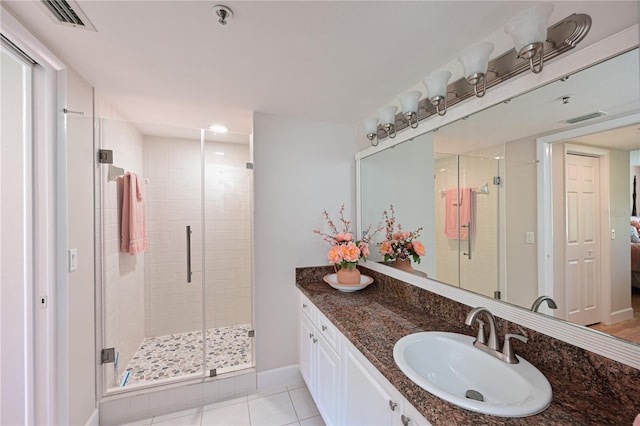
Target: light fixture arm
point(412, 119)
point(475, 80)
point(390, 129)
point(437, 101)
point(531, 52)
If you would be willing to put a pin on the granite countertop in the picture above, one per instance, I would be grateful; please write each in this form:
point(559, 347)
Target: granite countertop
point(374, 320)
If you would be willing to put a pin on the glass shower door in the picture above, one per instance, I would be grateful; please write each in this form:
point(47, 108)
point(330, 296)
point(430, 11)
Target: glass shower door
point(182, 306)
point(151, 306)
point(227, 221)
point(467, 211)
point(479, 224)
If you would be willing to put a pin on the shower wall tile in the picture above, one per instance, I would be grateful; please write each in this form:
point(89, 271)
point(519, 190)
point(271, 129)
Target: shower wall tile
point(174, 194)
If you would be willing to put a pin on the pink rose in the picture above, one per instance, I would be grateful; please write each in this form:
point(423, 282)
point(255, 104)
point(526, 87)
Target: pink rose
point(385, 248)
point(364, 249)
point(350, 252)
point(340, 237)
point(335, 254)
point(418, 247)
point(348, 237)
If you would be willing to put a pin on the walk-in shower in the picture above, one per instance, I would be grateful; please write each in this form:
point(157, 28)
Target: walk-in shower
point(467, 206)
point(181, 308)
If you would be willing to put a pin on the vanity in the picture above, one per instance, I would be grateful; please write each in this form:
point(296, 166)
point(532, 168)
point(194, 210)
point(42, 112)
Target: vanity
point(346, 343)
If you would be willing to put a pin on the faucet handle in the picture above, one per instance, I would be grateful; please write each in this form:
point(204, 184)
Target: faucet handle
point(481, 338)
point(507, 349)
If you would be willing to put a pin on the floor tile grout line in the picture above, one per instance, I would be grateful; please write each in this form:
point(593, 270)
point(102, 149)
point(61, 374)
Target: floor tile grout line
point(249, 412)
point(293, 405)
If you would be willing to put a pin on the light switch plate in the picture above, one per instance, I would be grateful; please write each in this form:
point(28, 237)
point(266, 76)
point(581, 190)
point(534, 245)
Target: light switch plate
point(73, 260)
point(530, 237)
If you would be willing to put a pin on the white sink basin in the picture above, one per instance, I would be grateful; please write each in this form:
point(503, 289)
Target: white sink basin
point(448, 366)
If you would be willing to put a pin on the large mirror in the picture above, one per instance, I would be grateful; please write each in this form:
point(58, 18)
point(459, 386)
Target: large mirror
point(548, 182)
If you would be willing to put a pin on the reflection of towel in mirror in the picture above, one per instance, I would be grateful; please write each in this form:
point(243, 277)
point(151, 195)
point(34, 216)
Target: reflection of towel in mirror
point(133, 226)
point(452, 204)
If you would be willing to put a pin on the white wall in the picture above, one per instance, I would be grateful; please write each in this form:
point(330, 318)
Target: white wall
point(302, 167)
point(81, 347)
point(620, 202)
point(521, 216)
point(401, 176)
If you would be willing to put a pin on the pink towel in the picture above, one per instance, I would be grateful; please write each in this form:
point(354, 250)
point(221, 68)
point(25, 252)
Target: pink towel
point(452, 205)
point(134, 224)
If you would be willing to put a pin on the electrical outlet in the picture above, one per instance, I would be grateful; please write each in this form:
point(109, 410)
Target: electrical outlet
point(73, 260)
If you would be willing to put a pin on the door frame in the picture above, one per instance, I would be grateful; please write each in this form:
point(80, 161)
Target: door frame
point(50, 324)
point(546, 252)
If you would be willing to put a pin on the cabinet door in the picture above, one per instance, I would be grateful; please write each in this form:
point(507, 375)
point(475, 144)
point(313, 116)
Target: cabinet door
point(327, 381)
point(412, 417)
point(305, 350)
point(368, 402)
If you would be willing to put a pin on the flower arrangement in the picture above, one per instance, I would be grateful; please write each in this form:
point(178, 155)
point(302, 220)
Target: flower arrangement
point(401, 244)
point(345, 251)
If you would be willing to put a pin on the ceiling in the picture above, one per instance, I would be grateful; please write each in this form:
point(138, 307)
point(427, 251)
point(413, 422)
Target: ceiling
point(170, 62)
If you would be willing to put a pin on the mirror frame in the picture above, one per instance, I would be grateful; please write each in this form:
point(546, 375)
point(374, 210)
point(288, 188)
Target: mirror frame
point(594, 341)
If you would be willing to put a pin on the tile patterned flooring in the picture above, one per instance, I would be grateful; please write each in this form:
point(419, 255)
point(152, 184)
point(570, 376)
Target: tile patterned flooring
point(228, 349)
point(285, 405)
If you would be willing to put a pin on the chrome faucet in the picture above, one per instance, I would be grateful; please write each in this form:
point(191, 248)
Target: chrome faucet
point(507, 355)
point(493, 334)
point(550, 302)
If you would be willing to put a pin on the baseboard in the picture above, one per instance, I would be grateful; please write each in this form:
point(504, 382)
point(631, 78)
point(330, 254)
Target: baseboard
point(94, 419)
point(279, 377)
point(621, 315)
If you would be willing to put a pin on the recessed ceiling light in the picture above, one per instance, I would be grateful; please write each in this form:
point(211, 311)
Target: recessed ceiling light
point(218, 128)
point(219, 153)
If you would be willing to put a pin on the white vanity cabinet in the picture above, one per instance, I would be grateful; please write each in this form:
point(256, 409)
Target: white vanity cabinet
point(370, 399)
point(319, 360)
point(345, 386)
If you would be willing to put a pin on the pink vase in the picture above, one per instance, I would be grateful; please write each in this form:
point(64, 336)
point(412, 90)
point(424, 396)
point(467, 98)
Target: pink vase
point(403, 264)
point(348, 276)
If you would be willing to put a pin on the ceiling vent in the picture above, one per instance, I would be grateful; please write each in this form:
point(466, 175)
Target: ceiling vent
point(68, 13)
point(586, 117)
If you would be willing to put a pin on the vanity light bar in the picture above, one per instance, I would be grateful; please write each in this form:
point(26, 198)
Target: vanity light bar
point(561, 37)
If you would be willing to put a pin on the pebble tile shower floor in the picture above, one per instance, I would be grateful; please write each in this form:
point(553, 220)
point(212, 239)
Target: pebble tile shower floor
point(228, 349)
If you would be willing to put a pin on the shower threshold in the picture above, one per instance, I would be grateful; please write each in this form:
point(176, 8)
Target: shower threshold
point(177, 355)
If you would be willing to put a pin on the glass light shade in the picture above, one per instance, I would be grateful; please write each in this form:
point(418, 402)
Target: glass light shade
point(530, 25)
point(388, 114)
point(409, 100)
point(218, 128)
point(436, 83)
point(475, 58)
point(371, 125)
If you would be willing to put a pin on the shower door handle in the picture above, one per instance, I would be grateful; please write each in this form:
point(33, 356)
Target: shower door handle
point(468, 226)
point(189, 273)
